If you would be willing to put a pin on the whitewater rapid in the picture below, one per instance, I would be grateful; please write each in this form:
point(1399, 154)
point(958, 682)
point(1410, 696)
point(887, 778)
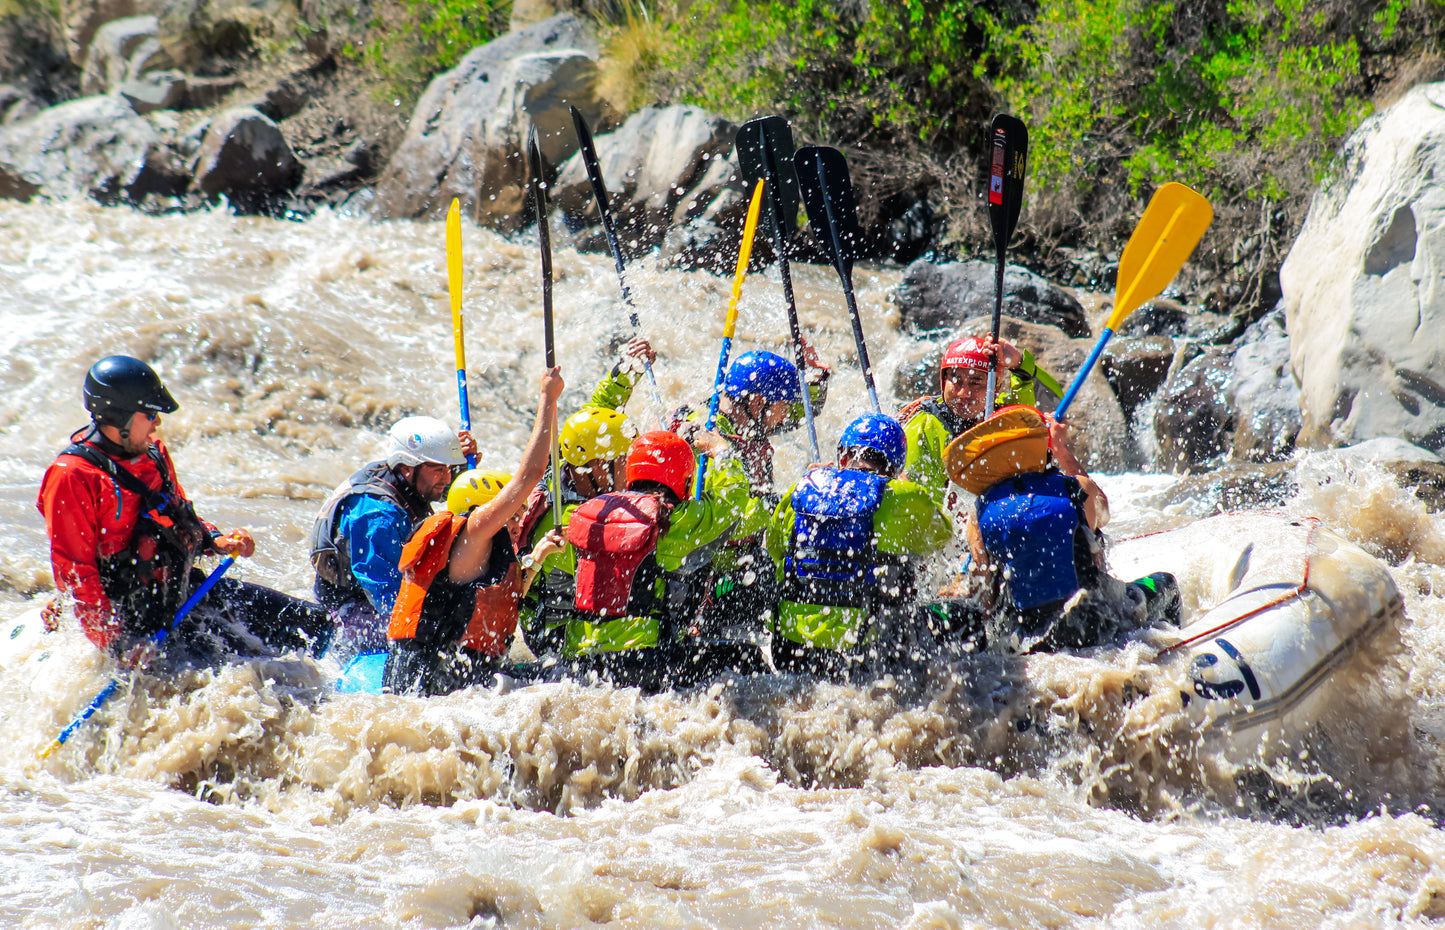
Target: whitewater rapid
point(1056, 791)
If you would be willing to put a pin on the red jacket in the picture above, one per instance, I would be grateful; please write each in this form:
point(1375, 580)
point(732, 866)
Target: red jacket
point(89, 518)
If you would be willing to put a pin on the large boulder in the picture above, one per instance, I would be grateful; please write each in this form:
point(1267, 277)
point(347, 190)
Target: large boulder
point(650, 166)
point(94, 145)
point(468, 131)
point(192, 31)
point(1361, 284)
point(81, 19)
point(122, 50)
point(1262, 392)
point(1137, 366)
point(245, 158)
point(1193, 420)
point(932, 297)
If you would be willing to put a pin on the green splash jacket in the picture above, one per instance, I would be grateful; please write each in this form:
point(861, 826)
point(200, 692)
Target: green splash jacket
point(696, 529)
point(907, 522)
point(928, 436)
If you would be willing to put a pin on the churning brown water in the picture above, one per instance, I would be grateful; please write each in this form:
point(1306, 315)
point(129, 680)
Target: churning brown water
point(1052, 792)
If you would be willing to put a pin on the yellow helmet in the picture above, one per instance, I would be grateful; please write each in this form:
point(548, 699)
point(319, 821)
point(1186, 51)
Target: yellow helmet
point(595, 433)
point(474, 488)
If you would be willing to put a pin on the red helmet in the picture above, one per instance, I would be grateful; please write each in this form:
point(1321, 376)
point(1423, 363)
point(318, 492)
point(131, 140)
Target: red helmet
point(662, 457)
point(968, 352)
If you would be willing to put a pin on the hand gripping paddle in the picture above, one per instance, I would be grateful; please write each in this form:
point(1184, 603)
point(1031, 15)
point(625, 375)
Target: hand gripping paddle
point(1170, 228)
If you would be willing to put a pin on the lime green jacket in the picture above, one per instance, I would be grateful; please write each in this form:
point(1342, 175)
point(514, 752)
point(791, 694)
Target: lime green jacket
point(908, 522)
point(928, 436)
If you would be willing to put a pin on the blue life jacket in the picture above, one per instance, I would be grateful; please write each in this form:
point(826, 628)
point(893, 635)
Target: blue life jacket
point(1029, 524)
point(832, 558)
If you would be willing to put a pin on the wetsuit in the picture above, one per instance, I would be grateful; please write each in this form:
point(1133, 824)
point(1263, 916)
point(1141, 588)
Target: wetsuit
point(123, 540)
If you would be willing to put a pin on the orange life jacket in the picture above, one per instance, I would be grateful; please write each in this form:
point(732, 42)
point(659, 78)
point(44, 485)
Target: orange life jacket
point(494, 611)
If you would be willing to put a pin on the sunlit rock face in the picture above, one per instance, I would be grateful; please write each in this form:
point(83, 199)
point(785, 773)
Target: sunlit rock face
point(469, 129)
point(1362, 284)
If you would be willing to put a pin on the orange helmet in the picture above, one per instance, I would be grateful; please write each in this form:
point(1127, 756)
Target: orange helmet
point(662, 457)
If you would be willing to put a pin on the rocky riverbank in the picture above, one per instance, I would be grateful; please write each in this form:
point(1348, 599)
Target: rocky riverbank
point(171, 105)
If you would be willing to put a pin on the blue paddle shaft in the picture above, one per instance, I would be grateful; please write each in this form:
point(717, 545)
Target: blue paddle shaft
point(717, 384)
point(466, 410)
point(156, 638)
point(1078, 381)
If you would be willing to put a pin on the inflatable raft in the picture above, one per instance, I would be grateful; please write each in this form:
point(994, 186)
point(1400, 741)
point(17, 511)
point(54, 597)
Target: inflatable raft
point(1286, 618)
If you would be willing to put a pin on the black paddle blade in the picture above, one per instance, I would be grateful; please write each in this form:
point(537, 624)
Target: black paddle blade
point(828, 197)
point(1009, 141)
point(589, 161)
point(538, 183)
point(765, 150)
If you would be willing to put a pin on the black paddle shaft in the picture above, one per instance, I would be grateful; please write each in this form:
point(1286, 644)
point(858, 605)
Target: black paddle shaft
point(604, 202)
point(1008, 154)
point(828, 194)
point(544, 241)
point(764, 147)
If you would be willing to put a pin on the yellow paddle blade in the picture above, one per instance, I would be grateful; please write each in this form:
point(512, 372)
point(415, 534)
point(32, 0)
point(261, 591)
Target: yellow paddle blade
point(745, 253)
point(1170, 228)
point(454, 277)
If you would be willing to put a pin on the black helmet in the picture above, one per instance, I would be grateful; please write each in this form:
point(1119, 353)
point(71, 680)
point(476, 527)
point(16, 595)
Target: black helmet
point(118, 386)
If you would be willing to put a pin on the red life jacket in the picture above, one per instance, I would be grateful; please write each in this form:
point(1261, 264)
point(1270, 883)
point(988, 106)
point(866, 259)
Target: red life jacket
point(493, 618)
point(613, 535)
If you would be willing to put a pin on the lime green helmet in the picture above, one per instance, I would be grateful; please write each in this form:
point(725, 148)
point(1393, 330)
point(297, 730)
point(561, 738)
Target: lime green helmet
point(595, 433)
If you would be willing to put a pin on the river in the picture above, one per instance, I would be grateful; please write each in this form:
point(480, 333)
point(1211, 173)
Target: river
point(1056, 792)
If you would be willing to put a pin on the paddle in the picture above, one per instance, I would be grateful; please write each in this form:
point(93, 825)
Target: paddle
point(549, 344)
point(454, 287)
point(765, 152)
point(156, 639)
point(828, 194)
point(1009, 139)
point(730, 321)
point(1170, 228)
point(599, 191)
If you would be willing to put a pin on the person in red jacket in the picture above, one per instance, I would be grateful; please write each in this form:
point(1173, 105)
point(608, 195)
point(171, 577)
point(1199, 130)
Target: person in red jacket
point(124, 537)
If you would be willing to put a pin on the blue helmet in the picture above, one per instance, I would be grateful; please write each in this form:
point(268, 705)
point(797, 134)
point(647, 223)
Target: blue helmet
point(763, 373)
point(875, 431)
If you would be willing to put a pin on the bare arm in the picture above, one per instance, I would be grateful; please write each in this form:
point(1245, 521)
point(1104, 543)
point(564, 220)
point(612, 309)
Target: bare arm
point(1096, 503)
point(473, 547)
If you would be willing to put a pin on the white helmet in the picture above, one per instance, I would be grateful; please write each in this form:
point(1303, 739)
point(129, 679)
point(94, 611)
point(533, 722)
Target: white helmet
point(418, 440)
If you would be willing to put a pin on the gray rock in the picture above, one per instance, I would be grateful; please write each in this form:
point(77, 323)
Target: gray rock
point(466, 136)
point(15, 186)
point(1361, 284)
point(1263, 393)
point(245, 157)
point(94, 145)
point(1159, 317)
point(82, 18)
point(194, 30)
point(649, 165)
point(1193, 419)
point(159, 90)
point(932, 297)
point(1136, 368)
point(1230, 488)
point(107, 64)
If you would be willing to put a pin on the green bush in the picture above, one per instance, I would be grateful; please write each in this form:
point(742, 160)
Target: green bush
point(413, 41)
